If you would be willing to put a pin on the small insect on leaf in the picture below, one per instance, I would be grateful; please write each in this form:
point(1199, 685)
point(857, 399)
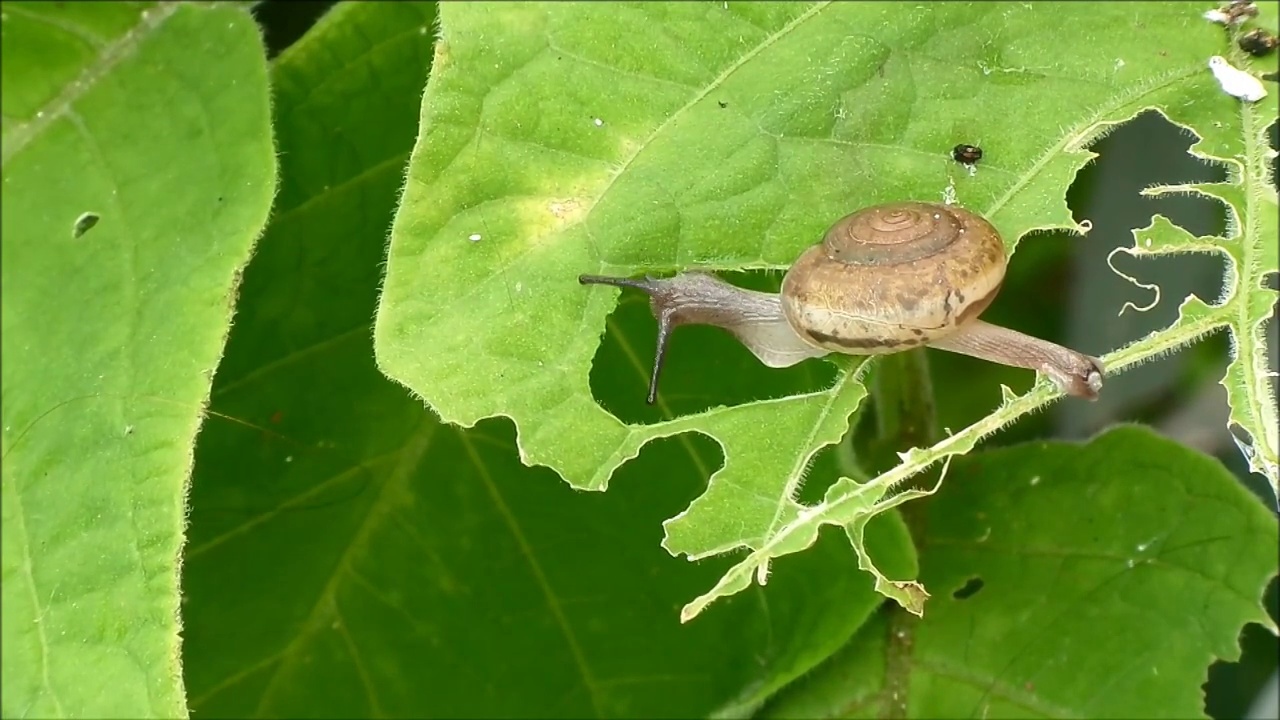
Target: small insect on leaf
point(966, 154)
point(1258, 43)
point(84, 224)
point(1236, 82)
point(1233, 13)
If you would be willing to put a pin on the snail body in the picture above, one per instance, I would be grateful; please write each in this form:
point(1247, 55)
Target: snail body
point(884, 279)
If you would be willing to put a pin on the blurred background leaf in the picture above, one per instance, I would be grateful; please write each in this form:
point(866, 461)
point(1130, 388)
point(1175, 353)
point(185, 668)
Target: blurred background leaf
point(1037, 615)
point(135, 180)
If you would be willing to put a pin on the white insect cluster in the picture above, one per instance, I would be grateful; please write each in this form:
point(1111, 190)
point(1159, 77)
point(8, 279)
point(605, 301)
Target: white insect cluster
point(1236, 82)
point(1233, 14)
point(1217, 16)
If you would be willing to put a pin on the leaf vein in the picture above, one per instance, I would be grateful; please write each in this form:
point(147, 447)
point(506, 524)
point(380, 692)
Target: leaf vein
point(110, 56)
point(540, 576)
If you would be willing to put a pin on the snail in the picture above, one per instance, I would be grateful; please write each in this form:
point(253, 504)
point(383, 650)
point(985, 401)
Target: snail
point(885, 279)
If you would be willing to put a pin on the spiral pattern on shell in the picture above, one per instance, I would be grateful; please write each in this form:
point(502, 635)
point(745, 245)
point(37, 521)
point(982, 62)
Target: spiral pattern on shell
point(894, 276)
point(891, 234)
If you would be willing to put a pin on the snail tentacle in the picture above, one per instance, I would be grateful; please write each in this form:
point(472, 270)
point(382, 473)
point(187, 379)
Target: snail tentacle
point(754, 318)
point(1072, 372)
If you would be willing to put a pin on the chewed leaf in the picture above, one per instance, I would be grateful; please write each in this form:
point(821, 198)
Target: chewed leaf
point(1037, 588)
point(728, 136)
point(1246, 307)
point(909, 594)
point(1238, 140)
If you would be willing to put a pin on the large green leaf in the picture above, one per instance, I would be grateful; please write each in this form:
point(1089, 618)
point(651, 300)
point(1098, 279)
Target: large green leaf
point(623, 139)
point(351, 555)
point(1043, 613)
point(122, 113)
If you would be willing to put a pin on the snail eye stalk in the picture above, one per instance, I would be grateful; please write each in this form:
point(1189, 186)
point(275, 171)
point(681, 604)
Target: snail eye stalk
point(665, 312)
point(755, 318)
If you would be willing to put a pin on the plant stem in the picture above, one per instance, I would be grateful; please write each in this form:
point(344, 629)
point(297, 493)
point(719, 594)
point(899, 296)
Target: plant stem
point(902, 394)
point(906, 417)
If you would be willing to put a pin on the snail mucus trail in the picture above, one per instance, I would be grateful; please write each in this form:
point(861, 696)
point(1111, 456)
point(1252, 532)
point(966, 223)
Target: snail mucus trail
point(885, 279)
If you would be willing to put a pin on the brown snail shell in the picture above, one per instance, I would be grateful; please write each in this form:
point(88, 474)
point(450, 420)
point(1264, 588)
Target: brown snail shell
point(894, 276)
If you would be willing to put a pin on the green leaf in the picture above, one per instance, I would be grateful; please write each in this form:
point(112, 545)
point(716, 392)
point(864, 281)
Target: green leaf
point(345, 544)
point(730, 136)
point(135, 180)
point(1072, 581)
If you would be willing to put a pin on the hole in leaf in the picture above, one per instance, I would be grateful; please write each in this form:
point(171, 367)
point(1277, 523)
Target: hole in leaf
point(970, 588)
point(827, 466)
point(1234, 686)
point(1146, 152)
point(84, 224)
point(705, 366)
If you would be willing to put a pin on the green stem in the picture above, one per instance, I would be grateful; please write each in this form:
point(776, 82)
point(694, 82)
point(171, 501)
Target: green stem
point(902, 397)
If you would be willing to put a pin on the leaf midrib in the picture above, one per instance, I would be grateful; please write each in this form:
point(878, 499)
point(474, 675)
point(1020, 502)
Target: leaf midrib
point(111, 55)
point(1251, 289)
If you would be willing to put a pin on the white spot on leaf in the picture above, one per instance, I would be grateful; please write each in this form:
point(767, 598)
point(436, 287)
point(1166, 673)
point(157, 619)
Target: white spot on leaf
point(562, 209)
point(949, 193)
